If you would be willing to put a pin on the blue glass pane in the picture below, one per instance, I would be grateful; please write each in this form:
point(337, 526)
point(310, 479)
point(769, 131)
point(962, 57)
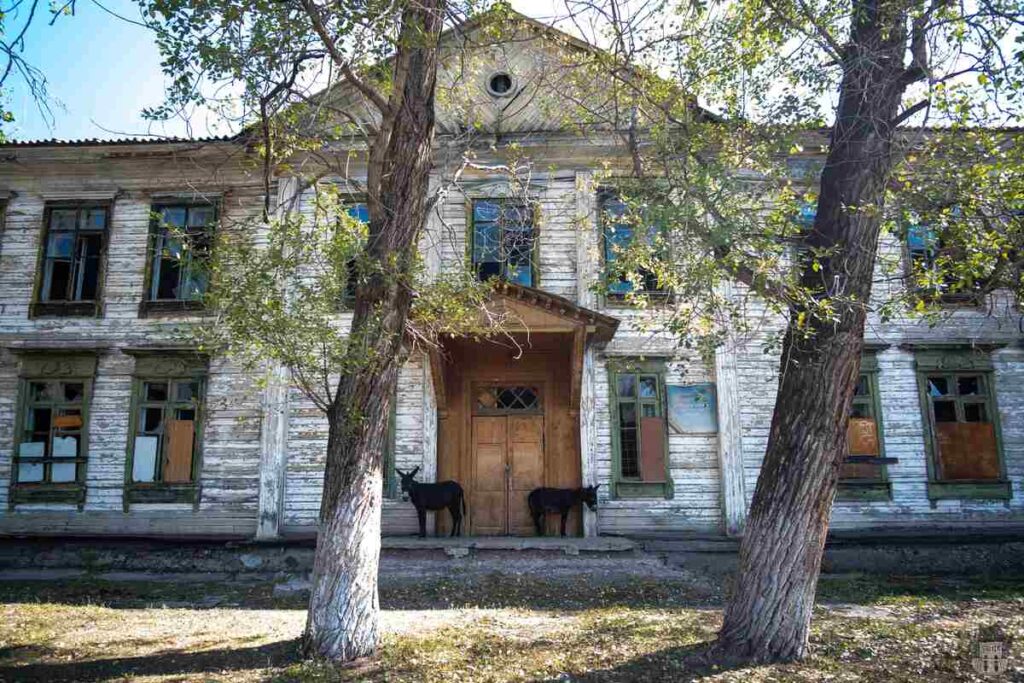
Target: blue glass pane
point(486, 242)
point(921, 238)
point(360, 212)
point(617, 238)
point(806, 213)
point(173, 215)
point(517, 215)
point(486, 211)
point(61, 245)
point(520, 275)
point(620, 287)
point(614, 207)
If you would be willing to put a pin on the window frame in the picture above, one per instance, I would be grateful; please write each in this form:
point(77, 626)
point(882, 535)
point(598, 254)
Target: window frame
point(957, 299)
point(348, 202)
point(879, 489)
point(153, 368)
point(53, 368)
point(149, 306)
point(88, 308)
point(953, 364)
point(661, 295)
point(634, 487)
point(529, 203)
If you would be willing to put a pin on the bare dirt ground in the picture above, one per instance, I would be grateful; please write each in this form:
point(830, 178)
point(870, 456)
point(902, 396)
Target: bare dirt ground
point(463, 620)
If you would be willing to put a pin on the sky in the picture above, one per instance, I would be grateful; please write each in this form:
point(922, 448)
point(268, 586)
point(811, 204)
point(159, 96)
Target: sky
point(102, 71)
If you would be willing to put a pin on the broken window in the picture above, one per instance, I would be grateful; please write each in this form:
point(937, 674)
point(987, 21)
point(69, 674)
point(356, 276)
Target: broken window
point(964, 440)
point(863, 436)
point(639, 424)
point(72, 260)
point(164, 444)
point(622, 226)
point(182, 236)
point(50, 445)
point(929, 259)
point(503, 241)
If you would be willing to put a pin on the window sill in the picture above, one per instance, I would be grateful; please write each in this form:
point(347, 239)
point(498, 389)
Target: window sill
point(48, 493)
point(644, 489)
point(161, 493)
point(154, 309)
point(976, 490)
point(856, 491)
point(65, 309)
point(655, 299)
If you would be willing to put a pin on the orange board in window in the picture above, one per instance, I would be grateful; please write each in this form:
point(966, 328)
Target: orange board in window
point(178, 451)
point(967, 450)
point(652, 448)
point(67, 421)
point(862, 436)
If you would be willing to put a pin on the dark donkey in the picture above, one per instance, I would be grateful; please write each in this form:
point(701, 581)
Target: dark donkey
point(444, 494)
point(560, 501)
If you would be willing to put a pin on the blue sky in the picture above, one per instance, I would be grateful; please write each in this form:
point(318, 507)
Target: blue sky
point(102, 72)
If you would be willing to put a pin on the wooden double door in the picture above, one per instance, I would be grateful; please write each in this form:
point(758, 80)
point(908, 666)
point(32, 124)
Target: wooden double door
point(508, 463)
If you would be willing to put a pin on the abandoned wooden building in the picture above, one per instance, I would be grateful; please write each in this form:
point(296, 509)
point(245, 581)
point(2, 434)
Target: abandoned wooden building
point(109, 426)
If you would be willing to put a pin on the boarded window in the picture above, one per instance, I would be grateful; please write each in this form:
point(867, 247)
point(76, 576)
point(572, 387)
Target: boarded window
point(75, 236)
point(964, 440)
point(164, 444)
point(639, 422)
point(50, 445)
point(182, 237)
point(621, 226)
point(863, 434)
point(503, 241)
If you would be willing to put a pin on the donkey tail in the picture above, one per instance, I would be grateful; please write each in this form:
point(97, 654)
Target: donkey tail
point(462, 496)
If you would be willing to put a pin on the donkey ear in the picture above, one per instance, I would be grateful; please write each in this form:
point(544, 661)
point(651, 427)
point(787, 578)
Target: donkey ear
point(597, 486)
point(414, 471)
point(400, 472)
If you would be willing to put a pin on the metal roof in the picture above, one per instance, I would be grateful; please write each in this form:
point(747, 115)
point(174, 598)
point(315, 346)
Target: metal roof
point(96, 142)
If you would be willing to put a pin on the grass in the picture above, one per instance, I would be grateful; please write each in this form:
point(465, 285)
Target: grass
point(493, 628)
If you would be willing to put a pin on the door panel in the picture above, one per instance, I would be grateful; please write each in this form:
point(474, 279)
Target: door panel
point(526, 464)
point(489, 500)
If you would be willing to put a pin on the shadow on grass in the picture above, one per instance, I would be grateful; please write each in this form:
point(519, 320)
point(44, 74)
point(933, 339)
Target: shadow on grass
point(170, 663)
point(677, 664)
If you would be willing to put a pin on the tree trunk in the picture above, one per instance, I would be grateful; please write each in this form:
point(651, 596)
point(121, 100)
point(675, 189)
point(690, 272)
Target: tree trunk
point(343, 612)
point(768, 614)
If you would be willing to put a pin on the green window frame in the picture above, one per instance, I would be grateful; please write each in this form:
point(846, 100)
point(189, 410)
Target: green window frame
point(167, 391)
point(390, 481)
point(865, 480)
point(637, 391)
point(957, 388)
point(618, 234)
point(51, 441)
point(503, 240)
point(72, 259)
point(180, 239)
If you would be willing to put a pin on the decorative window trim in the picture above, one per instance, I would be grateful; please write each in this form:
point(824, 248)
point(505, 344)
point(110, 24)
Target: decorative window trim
point(150, 307)
point(656, 297)
point(954, 362)
point(628, 488)
point(165, 366)
point(864, 489)
point(92, 308)
point(535, 274)
point(61, 367)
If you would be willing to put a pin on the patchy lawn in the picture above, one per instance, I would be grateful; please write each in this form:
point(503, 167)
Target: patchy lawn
point(492, 628)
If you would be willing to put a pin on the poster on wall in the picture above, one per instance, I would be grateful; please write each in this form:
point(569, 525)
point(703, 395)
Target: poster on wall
point(692, 408)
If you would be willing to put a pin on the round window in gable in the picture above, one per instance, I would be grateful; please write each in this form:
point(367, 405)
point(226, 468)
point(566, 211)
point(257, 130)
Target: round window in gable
point(500, 84)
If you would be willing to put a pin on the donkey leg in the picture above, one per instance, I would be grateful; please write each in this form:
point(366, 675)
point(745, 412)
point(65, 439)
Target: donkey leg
point(422, 514)
point(453, 508)
point(564, 516)
point(538, 520)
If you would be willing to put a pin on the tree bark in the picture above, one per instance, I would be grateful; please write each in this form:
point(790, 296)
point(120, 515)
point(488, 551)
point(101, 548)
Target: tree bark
point(343, 612)
point(768, 614)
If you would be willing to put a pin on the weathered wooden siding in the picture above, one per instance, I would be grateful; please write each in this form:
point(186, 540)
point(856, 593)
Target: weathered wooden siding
point(307, 448)
point(130, 178)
